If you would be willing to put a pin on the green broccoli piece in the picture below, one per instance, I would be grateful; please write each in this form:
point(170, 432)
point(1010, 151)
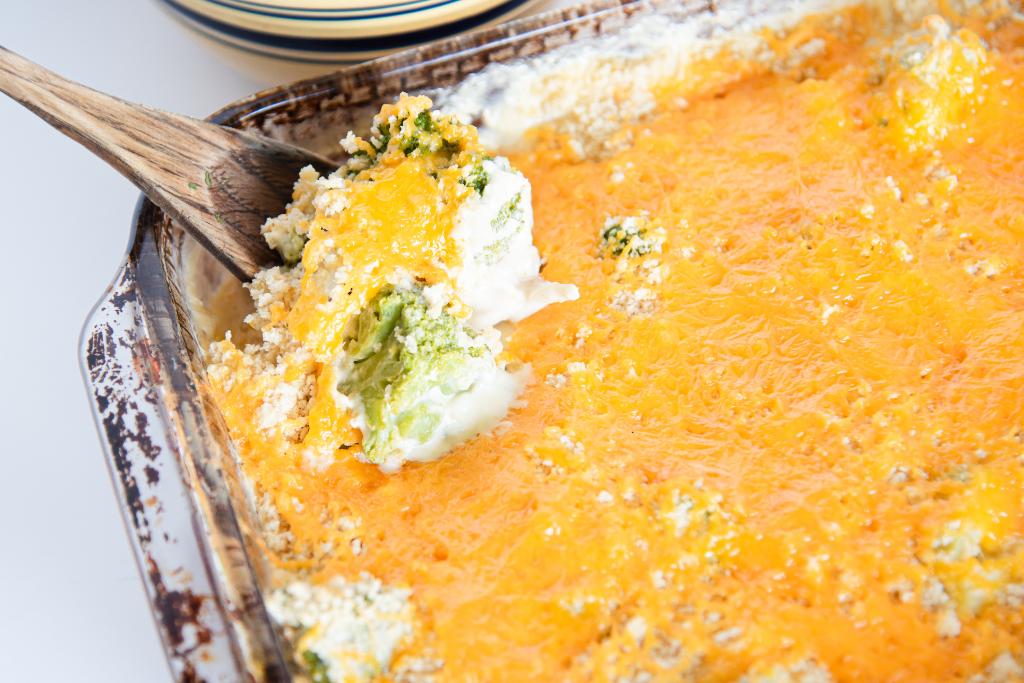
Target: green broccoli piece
point(476, 178)
point(410, 145)
point(316, 667)
point(405, 364)
point(425, 137)
point(291, 248)
point(506, 212)
point(424, 122)
point(450, 147)
point(385, 138)
point(629, 236)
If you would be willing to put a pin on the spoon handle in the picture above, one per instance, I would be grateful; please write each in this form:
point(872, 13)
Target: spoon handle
point(217, 182)
point(93, 119)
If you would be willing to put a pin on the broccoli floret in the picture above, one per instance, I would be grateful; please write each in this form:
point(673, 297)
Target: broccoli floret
point(630, 236)
point(424, 122)
point(291, 248)
point(450, 147)
point(428, 143)
point(385, 138)
point(427, 138)
point(404, 365)
point(409, 128)
point(316, 667)
point(410, 145)
point(476, 178)
point(506, 224)
point(506, 212)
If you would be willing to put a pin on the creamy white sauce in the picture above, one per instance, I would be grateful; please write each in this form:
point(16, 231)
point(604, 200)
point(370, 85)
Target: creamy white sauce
point(499, 277)
point(474, 411)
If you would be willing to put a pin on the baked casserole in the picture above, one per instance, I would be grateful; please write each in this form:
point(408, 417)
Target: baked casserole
point(700, 365)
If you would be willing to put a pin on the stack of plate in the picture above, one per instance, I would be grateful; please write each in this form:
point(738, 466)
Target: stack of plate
point(337, 31)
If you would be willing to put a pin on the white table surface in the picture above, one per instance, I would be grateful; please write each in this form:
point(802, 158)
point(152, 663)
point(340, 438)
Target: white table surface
point(72, 607)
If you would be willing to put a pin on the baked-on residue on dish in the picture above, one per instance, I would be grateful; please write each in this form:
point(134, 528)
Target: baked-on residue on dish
point(778, 437)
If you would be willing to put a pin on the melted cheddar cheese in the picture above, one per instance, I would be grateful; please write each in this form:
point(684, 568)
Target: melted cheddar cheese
point(397, 220)
point(786, 444)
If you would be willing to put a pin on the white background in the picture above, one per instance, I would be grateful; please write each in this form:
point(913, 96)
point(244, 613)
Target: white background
point(72, 607)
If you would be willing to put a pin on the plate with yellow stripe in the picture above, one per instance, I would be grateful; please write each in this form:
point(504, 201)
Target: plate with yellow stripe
point(338, 31)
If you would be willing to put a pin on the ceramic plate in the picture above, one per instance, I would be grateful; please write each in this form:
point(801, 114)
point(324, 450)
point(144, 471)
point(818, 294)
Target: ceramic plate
point(337, 31)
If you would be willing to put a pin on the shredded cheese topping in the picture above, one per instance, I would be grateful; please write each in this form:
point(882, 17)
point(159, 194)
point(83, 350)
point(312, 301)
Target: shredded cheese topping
point(780, 434)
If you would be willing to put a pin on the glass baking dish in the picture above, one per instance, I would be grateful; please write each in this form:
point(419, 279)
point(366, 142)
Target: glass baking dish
point(190, 520)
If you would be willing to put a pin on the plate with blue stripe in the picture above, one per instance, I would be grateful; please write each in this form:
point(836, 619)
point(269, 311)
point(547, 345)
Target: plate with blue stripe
point(338, 31)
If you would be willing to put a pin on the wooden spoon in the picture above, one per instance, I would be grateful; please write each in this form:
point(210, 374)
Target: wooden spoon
point(219, 183)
